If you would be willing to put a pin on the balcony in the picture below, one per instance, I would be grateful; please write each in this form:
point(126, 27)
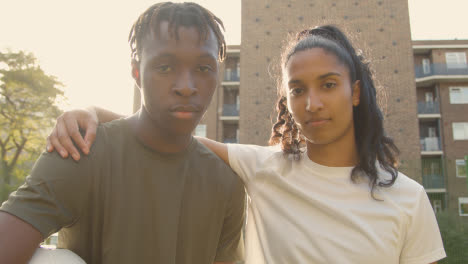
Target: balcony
point(231, 76)
point(440, 69)
point(433, 181)
point(230, 113)
point(432, 173)
point(430, 146)
point(230, 110)
point(428, 108)
point(428, 75)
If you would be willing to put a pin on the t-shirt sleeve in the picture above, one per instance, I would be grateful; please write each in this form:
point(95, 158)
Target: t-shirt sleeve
point(52, 196)
point(231, 243)
point(422, 242)
point(245, 159)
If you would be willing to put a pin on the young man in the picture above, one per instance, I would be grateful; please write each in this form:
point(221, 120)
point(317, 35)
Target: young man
point(148, 192)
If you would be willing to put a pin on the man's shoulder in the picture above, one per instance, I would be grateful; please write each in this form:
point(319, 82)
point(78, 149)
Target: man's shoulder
point(112, 129)
point(110, 135)
point(203, 154)
point(208, 161)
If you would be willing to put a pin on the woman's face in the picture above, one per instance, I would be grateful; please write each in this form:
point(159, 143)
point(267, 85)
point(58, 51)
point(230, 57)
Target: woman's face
point(320, 96)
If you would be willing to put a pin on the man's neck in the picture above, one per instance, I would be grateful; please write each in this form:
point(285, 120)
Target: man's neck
point(157, 138)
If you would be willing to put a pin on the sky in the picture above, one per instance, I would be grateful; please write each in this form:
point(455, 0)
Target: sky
point(84, 43)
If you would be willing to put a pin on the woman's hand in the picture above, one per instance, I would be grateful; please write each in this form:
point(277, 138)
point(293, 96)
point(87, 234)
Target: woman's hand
point(67, 129)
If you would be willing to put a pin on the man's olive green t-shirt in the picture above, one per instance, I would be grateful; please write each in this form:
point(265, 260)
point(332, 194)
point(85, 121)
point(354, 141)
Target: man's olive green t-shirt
point(125, 203)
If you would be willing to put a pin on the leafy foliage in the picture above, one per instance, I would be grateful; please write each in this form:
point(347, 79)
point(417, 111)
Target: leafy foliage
point(454, 231)
point(28, 110)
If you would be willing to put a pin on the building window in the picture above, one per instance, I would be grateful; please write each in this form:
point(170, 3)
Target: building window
point(460, 131)
point(200, 131)
point(461, 168)
point(437, 206)
point(463, 206)
point(426, 65)
point(227, 74)
point(455, 60)
point(459, 95)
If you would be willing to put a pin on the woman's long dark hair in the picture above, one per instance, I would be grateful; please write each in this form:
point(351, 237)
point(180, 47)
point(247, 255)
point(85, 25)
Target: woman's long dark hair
point(372, 143)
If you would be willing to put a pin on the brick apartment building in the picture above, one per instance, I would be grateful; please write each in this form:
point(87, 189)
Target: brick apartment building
point(424, 96)
point(441, 74)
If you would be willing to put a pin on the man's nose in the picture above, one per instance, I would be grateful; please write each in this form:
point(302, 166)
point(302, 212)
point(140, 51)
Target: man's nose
point(185, 84)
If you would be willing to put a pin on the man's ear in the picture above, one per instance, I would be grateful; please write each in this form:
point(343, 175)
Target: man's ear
point(356, 92)
point(136, 74)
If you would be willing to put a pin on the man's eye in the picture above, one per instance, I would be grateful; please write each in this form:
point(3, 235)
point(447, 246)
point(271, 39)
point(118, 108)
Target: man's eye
point(204, 68)
point(164, 68)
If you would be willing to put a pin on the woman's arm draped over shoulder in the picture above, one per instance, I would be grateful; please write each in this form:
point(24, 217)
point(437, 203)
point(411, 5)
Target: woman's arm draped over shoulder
point(220, 149)
point(67, 130)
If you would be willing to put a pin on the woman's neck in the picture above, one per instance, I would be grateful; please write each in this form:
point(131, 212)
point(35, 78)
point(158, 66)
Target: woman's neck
point(340, 153)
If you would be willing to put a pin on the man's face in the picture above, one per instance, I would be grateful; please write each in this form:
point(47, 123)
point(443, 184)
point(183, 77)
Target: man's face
point(177, 78)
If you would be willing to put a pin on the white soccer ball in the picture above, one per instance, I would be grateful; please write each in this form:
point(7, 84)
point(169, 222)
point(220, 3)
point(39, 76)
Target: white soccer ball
point(55, 256)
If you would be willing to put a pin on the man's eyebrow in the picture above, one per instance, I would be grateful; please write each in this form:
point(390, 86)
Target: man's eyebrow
point(207, 55)
point(164, 56)
point(328, 75)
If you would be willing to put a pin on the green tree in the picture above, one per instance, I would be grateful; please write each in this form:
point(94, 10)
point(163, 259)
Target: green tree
point(28, 109)
point(454, 231)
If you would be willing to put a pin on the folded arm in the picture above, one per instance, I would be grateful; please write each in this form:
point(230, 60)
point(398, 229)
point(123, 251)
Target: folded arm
point(18, 239)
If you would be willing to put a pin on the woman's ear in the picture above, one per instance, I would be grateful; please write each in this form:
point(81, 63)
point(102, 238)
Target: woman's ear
point(136, 72)
point(356, 92)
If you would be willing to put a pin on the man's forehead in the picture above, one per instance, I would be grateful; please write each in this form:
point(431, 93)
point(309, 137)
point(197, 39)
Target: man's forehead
point(188, 39)
point(166, 32)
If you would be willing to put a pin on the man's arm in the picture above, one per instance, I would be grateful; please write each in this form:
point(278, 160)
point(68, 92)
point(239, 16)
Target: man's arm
point(68, 128)
point(18, 239)
point(231, 241)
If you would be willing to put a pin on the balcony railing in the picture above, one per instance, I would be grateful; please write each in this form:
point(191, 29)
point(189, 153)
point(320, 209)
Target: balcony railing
point(230, 110)
point(440, 69)
point(433, 181)
point(231, 77)
point(430, 144)
point(428, 108)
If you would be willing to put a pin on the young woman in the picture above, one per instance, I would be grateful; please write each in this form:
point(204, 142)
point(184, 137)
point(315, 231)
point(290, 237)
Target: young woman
point(327, 191)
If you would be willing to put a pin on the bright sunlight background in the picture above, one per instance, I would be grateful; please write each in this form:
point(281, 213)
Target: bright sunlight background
point(84, 43)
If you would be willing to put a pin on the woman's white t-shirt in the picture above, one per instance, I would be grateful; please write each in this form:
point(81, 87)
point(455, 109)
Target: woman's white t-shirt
point(303, 212)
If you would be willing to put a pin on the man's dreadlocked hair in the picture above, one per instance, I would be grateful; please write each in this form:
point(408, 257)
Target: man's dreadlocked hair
point(177, 14)
point(372, 143)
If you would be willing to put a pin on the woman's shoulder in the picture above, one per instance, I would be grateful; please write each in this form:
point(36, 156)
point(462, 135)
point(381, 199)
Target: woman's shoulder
point(405, 192)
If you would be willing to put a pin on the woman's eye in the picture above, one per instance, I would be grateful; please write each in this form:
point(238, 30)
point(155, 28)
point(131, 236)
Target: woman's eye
point(296, 91)
point(329, 85)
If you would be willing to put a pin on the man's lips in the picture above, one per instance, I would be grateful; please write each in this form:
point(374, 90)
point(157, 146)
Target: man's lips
point(185, 108)
point(185, 111)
